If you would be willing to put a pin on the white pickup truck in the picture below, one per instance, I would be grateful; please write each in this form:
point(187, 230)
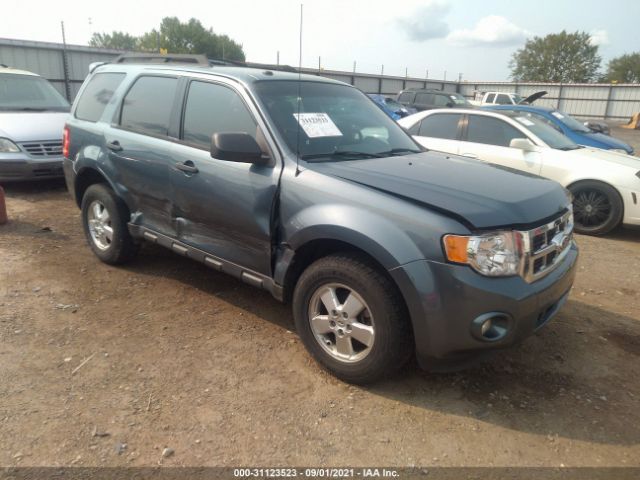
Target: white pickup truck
point(503, 98)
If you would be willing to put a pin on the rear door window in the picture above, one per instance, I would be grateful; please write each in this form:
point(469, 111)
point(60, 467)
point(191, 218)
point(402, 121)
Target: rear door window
point(147, 106)
point(213, 108)
point(491, 131)
point(96, 95)
point(503, 99)
point(491, 97)
point(441, 125)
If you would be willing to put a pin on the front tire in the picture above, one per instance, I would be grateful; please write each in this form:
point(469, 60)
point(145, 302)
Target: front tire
point(104, 219)
point(352, 319)
point(597, 207)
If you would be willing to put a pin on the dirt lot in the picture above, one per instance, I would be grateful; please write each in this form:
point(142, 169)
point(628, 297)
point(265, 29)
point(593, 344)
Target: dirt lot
point(108, 366)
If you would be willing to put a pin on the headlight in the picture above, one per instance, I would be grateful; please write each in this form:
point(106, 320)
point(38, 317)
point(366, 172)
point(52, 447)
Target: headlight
point(496, 254)
point(7, 146)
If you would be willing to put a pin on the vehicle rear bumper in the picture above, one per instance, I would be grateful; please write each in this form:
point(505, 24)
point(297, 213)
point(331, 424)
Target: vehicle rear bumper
point(25, 168)
point(445, 299)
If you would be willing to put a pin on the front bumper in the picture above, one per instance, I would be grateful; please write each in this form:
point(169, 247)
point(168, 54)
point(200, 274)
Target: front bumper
point(21, 167)
point(445, 299)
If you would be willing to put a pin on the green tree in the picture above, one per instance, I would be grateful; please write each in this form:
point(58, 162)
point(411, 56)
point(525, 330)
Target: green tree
point(558, 57)
point(117, 40)
point(176, 37)
point(624, 69)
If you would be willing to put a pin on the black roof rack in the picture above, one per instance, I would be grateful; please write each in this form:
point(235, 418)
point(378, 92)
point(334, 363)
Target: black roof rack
point(161, 58)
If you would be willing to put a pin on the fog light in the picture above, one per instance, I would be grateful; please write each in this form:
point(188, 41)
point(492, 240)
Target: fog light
point(491, 327)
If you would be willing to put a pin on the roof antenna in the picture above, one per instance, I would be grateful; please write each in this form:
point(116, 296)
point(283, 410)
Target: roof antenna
point(299, 99)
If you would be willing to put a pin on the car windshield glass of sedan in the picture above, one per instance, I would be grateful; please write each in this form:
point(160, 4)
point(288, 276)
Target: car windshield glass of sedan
point(29, 93)
point(547, 134)
point(570, 122)
point(331, 122)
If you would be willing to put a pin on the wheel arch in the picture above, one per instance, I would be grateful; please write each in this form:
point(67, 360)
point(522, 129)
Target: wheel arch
point(86, 177)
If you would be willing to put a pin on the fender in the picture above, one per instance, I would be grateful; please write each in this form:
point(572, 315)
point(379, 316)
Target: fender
point(363, 229)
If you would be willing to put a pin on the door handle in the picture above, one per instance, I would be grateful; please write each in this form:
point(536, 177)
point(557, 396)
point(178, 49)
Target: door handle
point(470, 155)
point(187, 167)
point(114, 146)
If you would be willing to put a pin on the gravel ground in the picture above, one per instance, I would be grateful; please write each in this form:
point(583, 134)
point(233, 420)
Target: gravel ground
point(104, 366)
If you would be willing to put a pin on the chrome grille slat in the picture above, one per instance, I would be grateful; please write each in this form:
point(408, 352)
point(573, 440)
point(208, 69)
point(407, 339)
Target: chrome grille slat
point(545, 246)
point(48, 148)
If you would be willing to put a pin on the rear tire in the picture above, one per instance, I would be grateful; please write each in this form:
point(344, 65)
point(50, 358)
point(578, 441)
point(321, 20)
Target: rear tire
point(104, 219)
point(352, 318)
point(597, 207)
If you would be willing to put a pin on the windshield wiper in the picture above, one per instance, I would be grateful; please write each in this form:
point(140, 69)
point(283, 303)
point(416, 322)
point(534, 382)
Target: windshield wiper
point(339, 155)
point(572, 147)
point(400, 151)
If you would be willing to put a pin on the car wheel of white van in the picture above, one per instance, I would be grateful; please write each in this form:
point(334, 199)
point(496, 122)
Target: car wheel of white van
point(597, 207)
point(352, 319)
point(104, 218)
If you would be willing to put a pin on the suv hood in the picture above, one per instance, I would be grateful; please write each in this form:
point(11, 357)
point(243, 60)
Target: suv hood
point(32, 126)
point(482, 195)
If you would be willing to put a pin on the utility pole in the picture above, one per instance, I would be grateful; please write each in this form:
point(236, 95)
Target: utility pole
point(354, 66)
point(278, 58)
point(460, 77)
point(65, 63)
point(406, 72)
point(445, 75)
point(382, 70)
point(319, 63)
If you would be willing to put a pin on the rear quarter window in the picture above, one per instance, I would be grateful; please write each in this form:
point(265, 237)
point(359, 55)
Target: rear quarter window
point(406, 97)
point(96, 95)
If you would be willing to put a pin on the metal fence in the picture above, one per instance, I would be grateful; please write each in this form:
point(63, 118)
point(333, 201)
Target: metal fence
point(67, 67)
point(586, 100)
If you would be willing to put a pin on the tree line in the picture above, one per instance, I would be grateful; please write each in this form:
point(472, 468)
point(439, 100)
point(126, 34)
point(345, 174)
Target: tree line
point(570, 58)
point(558, 57)
point(174, 36)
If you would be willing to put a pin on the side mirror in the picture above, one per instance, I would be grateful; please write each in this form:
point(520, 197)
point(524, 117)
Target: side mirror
point(237, 147)
point(523, 144)
point(450, 104)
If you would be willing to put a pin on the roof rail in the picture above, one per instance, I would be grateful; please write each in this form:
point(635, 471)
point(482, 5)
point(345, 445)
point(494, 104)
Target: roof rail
point(161, 58)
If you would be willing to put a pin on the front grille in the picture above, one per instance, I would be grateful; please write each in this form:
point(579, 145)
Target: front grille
point(545, 246)
point(51, 148)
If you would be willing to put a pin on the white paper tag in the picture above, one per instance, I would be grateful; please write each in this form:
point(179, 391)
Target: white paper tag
point(524, 121)
point(557, 115)
point(317, 125)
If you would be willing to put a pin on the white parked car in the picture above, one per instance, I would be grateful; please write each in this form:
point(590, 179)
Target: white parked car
point(605, 185)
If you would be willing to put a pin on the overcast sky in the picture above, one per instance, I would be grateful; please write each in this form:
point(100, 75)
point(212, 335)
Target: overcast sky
point(472, 37)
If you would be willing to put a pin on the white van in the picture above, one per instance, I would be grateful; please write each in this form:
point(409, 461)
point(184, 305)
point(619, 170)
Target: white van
point(32, 117)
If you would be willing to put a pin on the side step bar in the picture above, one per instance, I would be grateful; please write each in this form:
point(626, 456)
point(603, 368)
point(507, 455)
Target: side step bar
point(247, 276)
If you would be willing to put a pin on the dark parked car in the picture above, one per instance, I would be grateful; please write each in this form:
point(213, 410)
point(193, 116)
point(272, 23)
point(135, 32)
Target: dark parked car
point(305, 188)
point(426, 99)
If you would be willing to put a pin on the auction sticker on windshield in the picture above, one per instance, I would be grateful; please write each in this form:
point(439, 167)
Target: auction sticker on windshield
point(317, 125)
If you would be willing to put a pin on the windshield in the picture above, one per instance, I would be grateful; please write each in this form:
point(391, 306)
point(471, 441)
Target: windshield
point(29, 93)
point(517, 98)
point(332, 122)
point(458, 99)
point(570, 122)
point(547, 134)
